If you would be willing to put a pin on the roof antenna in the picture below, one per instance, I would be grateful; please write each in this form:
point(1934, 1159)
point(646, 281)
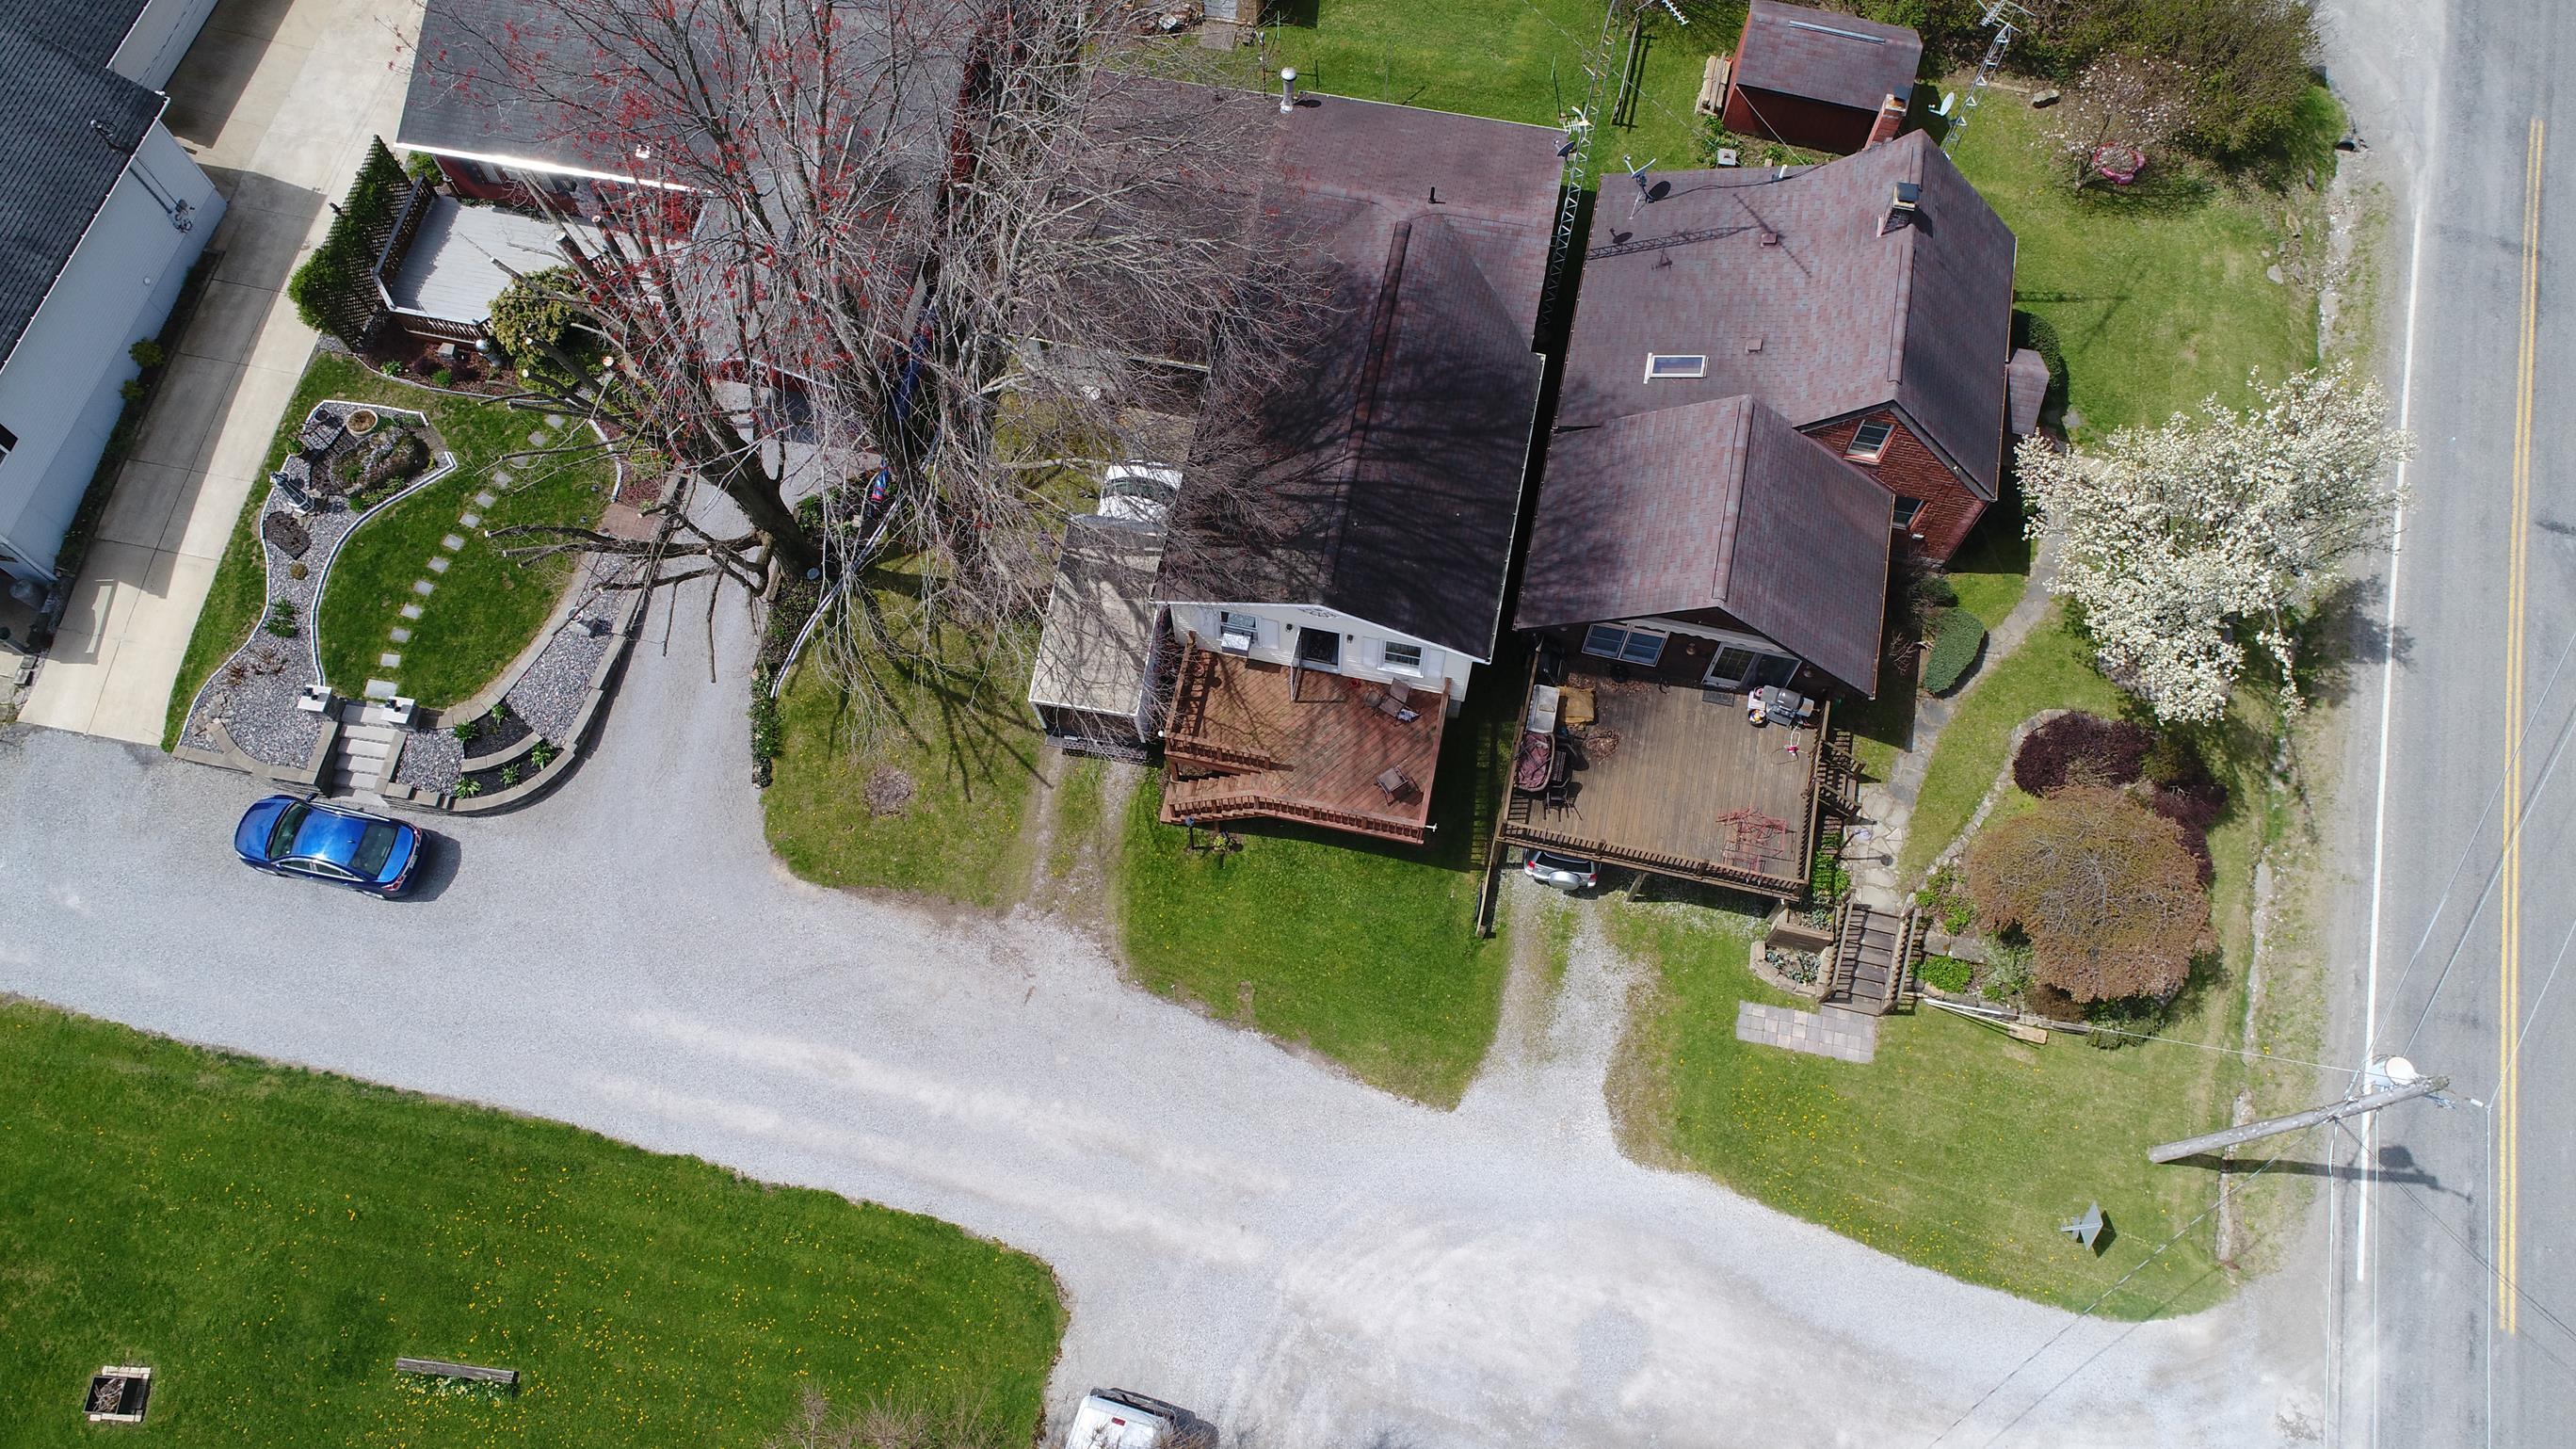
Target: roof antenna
point(1637, 173)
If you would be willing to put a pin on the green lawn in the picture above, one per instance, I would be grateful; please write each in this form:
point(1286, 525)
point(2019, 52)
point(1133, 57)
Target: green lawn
point(2053, 669)
point(1080, 829)
point(234, 599)
point(486, 608)
point(1364, 951)
point(2159, 297)
point(1956, 1148)
point(1514, 60)
point(965, 738)
point(270, 1239)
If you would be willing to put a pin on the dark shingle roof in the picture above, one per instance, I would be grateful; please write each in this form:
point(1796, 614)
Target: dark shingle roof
point(1832, 319)
point(67, 127)
point(89, 30)
point(1839, 59)
point(1385, 480)
point(1717, 505)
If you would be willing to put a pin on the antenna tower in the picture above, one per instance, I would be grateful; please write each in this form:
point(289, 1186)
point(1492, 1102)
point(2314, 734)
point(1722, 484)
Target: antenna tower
point(2002, 16)
point(1580, 129)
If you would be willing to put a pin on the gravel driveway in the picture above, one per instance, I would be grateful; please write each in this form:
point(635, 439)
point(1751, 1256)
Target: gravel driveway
point(1237, 1229)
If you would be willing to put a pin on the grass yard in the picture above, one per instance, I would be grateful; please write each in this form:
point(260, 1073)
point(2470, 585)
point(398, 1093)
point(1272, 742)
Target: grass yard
point(487, 608)
point(1080, 830)
point(270, 1239)
point(2158, 296)
point(1956, 1148)
point(2053, 669)
point(1514, 60)
point(964, 738)
point(1363, 951)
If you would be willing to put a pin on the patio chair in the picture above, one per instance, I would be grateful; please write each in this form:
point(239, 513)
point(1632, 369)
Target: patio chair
point(1394, 782)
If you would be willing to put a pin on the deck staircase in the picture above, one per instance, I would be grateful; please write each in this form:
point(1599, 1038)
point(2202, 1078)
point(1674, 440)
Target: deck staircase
point(364, 756)
point(1872, 960)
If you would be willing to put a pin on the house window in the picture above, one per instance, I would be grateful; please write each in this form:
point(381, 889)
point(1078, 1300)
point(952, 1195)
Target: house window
point(1676, 364)
point(1870, 440)
point(8, 442)
point(1618, 641)
point(1235, 632)
point(1907, 510)
point(1403, 658)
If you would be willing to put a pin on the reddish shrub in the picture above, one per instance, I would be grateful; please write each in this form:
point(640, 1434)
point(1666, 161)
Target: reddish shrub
point(2082, 749)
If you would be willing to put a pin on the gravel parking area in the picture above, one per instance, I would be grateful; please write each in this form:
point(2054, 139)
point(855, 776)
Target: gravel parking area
point(1238, 1229)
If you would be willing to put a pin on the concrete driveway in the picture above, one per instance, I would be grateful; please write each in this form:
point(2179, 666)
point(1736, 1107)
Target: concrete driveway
point(277, 100)
point(1237, 1229)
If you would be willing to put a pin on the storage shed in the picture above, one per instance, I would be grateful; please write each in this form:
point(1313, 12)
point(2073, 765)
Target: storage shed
point(1819, 79)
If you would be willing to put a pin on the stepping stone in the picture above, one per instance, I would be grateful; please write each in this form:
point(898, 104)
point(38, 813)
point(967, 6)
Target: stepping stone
point(540, 438)
point(381, 689)
point(438, 565)
point(389, 660)
point(451, 543)
point(411, 611)
point(423, 587)
point(554, 420)
point(484, 499)
point(468, 520)
point(400, 635)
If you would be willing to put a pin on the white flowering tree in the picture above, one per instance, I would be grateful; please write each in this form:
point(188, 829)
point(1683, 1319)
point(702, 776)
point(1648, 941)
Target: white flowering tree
point(2185, 542)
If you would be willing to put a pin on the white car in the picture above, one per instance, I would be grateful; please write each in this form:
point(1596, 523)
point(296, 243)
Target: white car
point(1121, 1419)
point(1565, 872)
point(1139, 493)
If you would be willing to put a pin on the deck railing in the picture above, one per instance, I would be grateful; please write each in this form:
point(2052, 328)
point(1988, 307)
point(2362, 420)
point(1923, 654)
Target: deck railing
point(1237, 807)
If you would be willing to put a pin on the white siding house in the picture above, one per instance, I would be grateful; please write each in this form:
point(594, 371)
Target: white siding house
point(106, 214)
point(161, 34)
point(1315, 637)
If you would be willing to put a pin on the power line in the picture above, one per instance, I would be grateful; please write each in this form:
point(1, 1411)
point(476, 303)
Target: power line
point(2226, 1189)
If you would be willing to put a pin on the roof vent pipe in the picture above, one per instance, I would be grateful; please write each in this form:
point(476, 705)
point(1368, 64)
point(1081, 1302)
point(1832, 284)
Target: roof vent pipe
point(1901, 207)
point(1287, 89)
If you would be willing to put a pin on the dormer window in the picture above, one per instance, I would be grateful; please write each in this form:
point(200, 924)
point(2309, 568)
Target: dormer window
point(1673, 365)
point(1870, 440)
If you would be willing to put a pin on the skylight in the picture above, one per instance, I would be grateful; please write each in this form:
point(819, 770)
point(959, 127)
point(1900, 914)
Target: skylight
point(1676, 364)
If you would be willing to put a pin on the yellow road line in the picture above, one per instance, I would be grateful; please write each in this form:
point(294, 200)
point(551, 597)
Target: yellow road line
point(2509, 956)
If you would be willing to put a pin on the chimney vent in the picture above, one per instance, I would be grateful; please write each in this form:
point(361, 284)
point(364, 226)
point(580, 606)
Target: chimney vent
point(1901, 207)
point(1287, 89)
point(1770, 238)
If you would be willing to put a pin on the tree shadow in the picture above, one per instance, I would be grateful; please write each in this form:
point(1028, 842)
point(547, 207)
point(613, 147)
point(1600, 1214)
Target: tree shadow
point(2347, 627)
point(2164, 189)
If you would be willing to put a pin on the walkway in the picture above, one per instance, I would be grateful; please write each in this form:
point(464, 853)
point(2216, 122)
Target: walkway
point(1846, 1036)
point(1238, 1229)
point(277, 100)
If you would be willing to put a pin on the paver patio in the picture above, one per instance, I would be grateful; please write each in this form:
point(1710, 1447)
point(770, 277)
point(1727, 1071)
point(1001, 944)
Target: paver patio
point(1846, 1036)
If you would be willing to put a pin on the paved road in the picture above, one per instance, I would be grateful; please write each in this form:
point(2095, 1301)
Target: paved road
point(2466, 856)
point(1237, 1229)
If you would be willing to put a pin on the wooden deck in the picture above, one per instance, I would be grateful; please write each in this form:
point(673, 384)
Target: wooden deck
point(1671, 778)
point(1246, 738)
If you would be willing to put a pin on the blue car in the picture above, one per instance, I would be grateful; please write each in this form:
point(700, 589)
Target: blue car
point(290, 835)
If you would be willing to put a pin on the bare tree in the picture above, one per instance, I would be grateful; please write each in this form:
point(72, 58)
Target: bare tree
point(926, 261)
point(2107, 891)
point(2119, 109)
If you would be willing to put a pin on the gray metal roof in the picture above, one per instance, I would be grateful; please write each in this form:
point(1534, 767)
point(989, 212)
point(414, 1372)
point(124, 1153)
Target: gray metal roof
point(1716, 505)
point(1096, 653)
point(67, 127)
point(453, 266)
point(1842, 60)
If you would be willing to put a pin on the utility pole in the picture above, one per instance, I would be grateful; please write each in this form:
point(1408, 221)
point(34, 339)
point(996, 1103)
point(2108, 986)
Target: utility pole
point(2395, 1080)
point(2000, 17)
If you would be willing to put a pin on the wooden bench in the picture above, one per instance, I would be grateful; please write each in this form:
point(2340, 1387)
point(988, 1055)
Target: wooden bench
point(507, 1378)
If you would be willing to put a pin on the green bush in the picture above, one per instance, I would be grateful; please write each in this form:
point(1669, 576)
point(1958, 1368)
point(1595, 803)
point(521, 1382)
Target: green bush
point(768, 732)
point(1947, 973)
point(469, 787)
point(1826, 878)
point(281, 618)
point(537, 323)
point(147, 353)
point(542, 754)
point(1957, 638)
point(325, 283)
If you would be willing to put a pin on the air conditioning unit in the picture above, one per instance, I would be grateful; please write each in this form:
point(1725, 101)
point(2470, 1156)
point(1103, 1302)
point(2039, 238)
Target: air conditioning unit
point(1234, 641)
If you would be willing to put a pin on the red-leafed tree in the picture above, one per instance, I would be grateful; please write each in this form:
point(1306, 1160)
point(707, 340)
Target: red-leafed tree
point(919, 258)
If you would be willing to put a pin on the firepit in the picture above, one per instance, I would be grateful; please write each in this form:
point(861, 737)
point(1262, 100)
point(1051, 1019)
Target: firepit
point(362, 422)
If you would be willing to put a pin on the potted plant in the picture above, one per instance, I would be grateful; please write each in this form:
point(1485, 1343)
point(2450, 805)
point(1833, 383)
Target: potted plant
point(362, 422)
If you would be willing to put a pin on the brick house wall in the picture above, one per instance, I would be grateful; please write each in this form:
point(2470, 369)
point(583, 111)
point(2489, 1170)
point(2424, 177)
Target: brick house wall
point(1797, 120)
point(1908, 468)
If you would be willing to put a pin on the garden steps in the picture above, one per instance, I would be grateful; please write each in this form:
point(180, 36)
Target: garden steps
point(363, 757)
point(1870, 947)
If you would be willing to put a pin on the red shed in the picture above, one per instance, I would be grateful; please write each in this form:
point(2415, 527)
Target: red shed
point(1818, 79)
